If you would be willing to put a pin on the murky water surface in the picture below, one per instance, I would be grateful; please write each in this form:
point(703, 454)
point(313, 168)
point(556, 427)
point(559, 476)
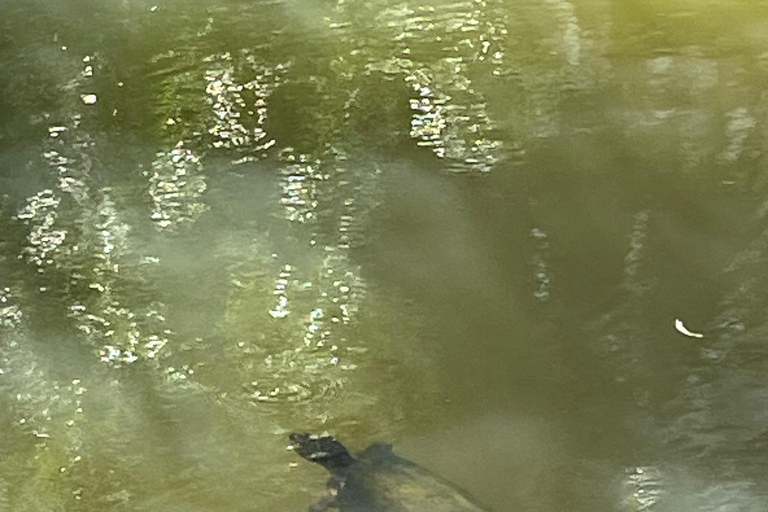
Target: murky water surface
point(464, 227)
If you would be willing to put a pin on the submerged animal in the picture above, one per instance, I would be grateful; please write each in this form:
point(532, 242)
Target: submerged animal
point(377, 480)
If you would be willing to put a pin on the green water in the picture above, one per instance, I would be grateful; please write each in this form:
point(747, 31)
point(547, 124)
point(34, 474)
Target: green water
point(466, 228)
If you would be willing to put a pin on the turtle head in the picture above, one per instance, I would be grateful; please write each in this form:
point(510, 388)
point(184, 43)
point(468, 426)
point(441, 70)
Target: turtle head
point(325, 450)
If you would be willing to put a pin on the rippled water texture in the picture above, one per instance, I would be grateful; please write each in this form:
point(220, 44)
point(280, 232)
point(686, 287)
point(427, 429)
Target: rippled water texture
point(466, 228)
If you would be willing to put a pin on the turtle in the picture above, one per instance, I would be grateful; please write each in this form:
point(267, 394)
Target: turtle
point(378, 480)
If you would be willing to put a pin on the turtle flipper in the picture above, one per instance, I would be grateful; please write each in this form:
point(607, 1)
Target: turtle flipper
point(325, 450)
point(379, 452)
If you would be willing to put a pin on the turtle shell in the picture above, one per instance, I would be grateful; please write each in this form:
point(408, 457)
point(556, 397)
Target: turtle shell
point(378, 480)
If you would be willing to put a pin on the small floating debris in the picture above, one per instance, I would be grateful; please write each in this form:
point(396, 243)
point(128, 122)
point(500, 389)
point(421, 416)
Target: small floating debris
point(684, 330)
point(89, 99)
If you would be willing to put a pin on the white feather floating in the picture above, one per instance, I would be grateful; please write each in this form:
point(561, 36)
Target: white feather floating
point(683, 330)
